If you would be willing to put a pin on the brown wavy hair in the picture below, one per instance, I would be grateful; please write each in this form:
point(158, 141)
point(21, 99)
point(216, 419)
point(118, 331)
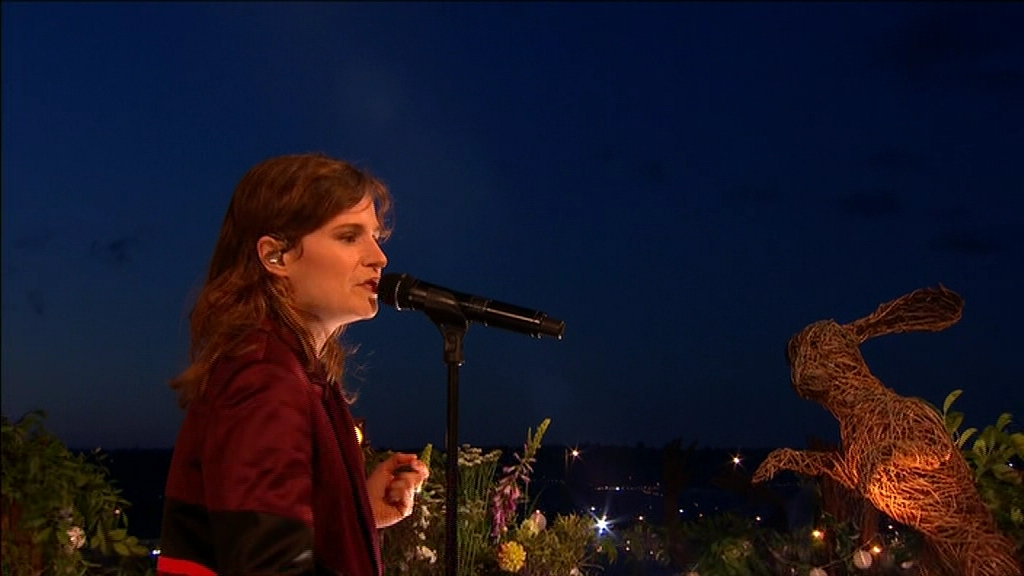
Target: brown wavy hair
point(286, 197)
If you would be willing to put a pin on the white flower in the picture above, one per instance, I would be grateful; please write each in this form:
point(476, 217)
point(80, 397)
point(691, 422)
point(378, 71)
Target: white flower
point(469, 455)
point(424, 520)
point(535, 523)
point(76, 539)
point(424, 553)
point(862, 559)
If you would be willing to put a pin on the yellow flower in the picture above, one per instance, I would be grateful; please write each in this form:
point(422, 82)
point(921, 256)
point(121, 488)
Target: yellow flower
point(511, 556)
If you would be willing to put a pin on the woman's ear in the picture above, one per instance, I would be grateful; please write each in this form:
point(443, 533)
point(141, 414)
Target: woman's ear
point(924, 310)
point(271, 252)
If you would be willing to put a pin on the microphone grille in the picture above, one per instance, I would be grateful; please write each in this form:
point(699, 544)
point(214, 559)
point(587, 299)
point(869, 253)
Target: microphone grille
point(387, 289)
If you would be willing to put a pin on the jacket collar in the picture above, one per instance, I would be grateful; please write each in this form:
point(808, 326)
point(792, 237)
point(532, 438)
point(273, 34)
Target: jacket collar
point(287, 335)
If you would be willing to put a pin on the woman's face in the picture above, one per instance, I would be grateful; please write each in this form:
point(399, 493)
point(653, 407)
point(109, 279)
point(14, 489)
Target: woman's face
point(334, 272)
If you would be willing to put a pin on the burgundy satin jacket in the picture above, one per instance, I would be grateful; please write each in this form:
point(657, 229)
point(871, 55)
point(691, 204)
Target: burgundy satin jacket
point(267, 475)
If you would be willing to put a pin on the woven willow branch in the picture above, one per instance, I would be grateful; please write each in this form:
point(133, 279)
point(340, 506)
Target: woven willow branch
point(895, 451)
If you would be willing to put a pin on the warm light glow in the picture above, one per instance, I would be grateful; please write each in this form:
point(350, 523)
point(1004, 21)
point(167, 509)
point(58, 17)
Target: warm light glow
point(575, 453)
point(359, 435)
point(640, 517)
point(876, 549)
point(735, 459)
point(817, 534)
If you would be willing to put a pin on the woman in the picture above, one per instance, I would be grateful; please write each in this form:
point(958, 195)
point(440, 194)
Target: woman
point(267, 475)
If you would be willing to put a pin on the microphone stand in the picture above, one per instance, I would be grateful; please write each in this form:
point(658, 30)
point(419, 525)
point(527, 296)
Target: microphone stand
point(452, 323)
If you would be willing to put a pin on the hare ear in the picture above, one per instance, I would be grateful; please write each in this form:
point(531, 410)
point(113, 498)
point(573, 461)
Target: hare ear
point(924, 310)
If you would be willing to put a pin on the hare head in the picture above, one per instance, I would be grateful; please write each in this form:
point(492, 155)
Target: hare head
point(825, 358)
point(820, 357)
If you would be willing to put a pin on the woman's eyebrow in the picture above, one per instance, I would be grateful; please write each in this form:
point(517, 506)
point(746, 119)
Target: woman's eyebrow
point(349, 227)
point(378, 231)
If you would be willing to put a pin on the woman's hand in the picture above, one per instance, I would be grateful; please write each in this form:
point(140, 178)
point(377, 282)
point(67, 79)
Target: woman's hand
point(392, 487)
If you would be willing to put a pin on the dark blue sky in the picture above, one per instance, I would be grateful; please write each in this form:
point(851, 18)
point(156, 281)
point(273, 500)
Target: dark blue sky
point(686, 185)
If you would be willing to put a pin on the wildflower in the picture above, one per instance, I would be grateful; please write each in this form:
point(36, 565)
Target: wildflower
point(506, 497)
point(535, 523)
point(511, 556)
point(424, 520)
point(470, 456)
point(424, 553)
point(76, 539)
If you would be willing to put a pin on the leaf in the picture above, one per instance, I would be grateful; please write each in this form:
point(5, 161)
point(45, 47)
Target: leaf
point(1004, 420)
point(953, 421)
point(950, 399)
point(43, 535)
point(121, 549)
point(980, 447)
point(99, 541)
point(35, 523)
point(1017, 439)
point(962, 441)
point(1006, 473)
point(139, 550)
point(425, 455)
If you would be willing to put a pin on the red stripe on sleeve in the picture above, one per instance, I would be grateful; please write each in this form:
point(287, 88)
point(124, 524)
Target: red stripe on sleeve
point(177, 567)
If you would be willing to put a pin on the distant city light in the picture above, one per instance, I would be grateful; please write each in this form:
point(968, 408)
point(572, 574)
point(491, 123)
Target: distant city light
point(757, 518)
point(155, 552)
point(640, 517)
point(575, 453)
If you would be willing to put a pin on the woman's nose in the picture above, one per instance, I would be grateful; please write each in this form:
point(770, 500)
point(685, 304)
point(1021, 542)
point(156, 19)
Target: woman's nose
point(376, 257)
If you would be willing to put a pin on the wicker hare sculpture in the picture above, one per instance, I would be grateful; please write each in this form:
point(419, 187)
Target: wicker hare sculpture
point(895, 451)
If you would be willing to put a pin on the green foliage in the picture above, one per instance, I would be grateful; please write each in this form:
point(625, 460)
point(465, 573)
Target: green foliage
point(729, 545)
point(569, 543)
point(725, 544)
point(955, 419)
point(414, 547)
point(61, 512)
point(476, 472)
point(990, 457)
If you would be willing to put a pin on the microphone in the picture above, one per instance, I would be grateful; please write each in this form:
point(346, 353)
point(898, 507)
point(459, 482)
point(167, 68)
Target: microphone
point(407, 293)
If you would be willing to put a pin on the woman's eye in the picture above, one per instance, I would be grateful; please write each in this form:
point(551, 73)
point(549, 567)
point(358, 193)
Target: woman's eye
point(347, 238)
